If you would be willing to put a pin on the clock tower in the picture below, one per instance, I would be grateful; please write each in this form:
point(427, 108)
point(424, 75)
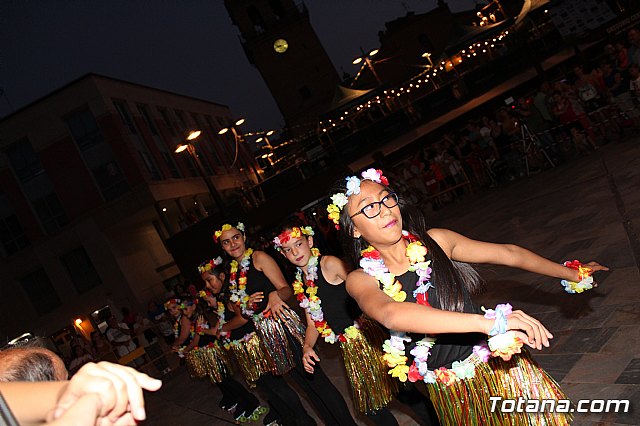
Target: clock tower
point(279, 40)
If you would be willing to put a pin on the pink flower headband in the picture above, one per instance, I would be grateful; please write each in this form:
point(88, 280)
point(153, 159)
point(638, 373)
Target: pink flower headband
point(340, 200)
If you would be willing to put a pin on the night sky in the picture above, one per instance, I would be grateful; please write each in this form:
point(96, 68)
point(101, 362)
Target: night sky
point(186, 46)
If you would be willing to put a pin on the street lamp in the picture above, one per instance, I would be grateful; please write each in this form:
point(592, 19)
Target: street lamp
point(237, 139)
point(191, 149)
point(368, 63)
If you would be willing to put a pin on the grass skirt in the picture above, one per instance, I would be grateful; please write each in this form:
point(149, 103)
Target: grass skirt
point(371, 386)
point(466, 402)
point(277, 336)
point(251, 357)
point(216, 362)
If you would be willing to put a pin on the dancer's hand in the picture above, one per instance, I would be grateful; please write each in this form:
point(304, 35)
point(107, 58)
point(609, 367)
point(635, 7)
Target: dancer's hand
point(529, 330)
point(595, 267)
point(309, 359)
point(256, 297)
point(103, 394)
point(275, 304)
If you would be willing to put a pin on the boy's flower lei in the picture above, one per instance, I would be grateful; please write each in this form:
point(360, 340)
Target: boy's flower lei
point(226, 227)
point(501, 344)
point(339, 200)
point(584, 275)
point(289, 234)
point(313, 305)
point(238, 285)
point(209, 265)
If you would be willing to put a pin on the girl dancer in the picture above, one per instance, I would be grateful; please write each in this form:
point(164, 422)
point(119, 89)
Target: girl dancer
point(254, 275)
point(402, 261)
point(334, 316)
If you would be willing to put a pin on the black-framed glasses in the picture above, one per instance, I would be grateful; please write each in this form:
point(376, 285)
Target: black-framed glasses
point(372, 210)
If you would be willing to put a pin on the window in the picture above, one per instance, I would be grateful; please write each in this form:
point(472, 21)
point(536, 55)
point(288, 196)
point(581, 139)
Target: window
point(50, 212)
point(125, 116)
point(167, 120)
point(24, 160)
point(151, 165)
point(110, 180)
point(81, 270)
point(144, 111)
point(84, 129)
point(305, 92)
point(41, 293)
point(182, 119)
point(12, 235)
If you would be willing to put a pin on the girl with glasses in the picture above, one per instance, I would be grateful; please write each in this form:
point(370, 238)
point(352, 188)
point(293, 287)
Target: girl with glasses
point(418, 283)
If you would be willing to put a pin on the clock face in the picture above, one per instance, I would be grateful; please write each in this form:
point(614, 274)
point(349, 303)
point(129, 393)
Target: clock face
point(280, 45)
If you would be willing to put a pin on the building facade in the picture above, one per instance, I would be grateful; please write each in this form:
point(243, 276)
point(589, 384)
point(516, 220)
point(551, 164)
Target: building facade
point(90, 186)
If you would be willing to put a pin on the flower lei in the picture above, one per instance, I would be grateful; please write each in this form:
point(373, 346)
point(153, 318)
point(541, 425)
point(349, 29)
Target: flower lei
point(294, 232)
point(207, 266)
point(584, 275)
point(220, 309)
point(238, 285)
point(339, 200)
point(226, 227)
point(502, 344)
point(312, 303)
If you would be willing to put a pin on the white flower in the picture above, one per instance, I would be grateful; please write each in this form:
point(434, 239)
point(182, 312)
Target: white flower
point(339, 199)
point(330, 338)
point(371, 174)
point(240, 226)
point(353, 186)
point(276, 242)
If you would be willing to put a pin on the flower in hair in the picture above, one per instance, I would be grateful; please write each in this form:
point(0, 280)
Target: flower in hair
point(171, 302)
point(353, 186)
point(205, 293)
point(340, 200)
point(226, 227)
point(289, 234)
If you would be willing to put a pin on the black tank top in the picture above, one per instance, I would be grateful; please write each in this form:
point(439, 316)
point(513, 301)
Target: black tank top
point(449, 347)
point(258, 281)
point(241, 331)
point(186, 342)
point(338, 308)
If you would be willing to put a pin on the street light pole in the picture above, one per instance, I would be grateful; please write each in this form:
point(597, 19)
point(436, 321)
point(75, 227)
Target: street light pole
point(191, 149)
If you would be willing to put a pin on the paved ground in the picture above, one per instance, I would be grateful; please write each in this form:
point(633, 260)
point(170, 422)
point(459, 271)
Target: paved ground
point(586, 209)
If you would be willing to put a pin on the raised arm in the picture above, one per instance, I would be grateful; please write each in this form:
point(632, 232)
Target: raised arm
point(412, 317)
point(463, 249)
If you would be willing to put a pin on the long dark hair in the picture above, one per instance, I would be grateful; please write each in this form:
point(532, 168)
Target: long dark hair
point(221, 268)
point(452, 279)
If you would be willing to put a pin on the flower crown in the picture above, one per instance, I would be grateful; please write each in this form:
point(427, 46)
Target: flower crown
point(288, 234)
point(226, 227)
point(207, 266)
point(205, 293)
point(339, 200)
point(188, 302)
point(171, 302)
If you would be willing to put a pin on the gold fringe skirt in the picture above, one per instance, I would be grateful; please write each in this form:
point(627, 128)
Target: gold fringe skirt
point(216, 362)
point(251, 357)
point(371, 386)
point(194, 364)
point(466, 402)
point(273, 335)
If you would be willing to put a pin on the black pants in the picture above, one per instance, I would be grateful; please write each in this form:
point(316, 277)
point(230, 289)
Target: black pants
point(235, 393)
point(420, 404)
point(321, 393)
point(285, 401)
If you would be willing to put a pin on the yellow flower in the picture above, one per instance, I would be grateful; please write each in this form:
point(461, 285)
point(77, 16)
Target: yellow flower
point(315, 252)
point(311, 291)
point(416, 252)
point(332, 208)
point(334, 216)
point(400, 372)
point(392, 360)
point(351, 332)
point(400, 296)
point(295, 232)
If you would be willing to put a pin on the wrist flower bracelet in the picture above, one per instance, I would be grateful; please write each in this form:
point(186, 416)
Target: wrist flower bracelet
point(584, 275)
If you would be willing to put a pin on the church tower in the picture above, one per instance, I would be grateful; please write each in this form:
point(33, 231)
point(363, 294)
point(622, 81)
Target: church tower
point(279, 40)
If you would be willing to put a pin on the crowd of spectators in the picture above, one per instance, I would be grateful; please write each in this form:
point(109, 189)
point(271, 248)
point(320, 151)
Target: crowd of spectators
point(567, 117)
